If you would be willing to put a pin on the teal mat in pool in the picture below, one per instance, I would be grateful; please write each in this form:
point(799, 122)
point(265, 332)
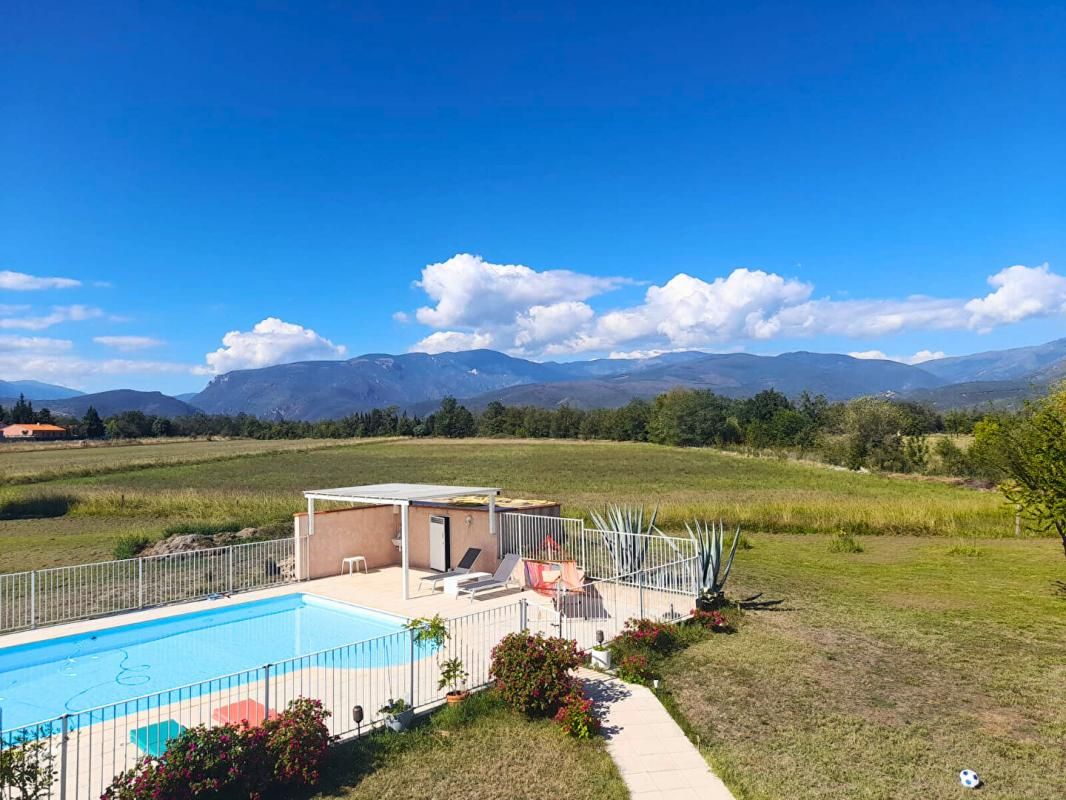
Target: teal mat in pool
point(152, 739)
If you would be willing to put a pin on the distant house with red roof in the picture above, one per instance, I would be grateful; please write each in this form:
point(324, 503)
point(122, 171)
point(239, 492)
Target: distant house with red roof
point(34, 432)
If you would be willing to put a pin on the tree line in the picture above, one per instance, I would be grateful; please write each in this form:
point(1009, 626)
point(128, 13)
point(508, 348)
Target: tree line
point(872, 432)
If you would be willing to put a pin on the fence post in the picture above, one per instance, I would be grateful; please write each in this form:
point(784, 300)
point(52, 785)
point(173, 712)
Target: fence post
point(33, 599)
point(584, 559)
point(523, 610)
point(65, 727)
point(140, 583)
point(640, 588)
point(229, 568)
point(411, 667)
point(266, 687)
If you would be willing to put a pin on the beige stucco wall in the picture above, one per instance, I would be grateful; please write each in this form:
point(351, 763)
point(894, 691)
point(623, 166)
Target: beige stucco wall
point(364, 531)
point(368, 531)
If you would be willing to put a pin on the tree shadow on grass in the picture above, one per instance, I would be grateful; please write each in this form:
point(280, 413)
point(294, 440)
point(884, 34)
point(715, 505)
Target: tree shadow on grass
point(756, 603)
point(36, 506)
point(1059, 588)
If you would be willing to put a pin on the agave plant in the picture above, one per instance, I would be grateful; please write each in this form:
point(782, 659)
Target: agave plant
point(709, 540)
point(628, 552)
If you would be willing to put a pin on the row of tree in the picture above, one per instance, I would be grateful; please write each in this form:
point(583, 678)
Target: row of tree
point(875, 433)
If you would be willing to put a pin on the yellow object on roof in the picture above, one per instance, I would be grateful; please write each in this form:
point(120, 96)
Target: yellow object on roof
point(501, 502)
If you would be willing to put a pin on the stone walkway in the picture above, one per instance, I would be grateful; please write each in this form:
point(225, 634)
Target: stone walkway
point(656, 759)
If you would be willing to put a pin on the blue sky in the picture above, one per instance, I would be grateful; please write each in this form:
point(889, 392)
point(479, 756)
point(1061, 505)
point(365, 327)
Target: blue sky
point(282, 181)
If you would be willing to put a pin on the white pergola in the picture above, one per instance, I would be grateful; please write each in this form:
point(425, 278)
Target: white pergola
point(401, 495)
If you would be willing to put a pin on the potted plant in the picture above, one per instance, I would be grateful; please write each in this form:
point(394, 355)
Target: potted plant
point(709, 541)
point(600, 656)
point(453, 676)
point(398, 714)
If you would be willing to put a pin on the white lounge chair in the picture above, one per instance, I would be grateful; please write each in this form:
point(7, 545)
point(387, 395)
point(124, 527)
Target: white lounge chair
point(466, 563)
point(500, 580)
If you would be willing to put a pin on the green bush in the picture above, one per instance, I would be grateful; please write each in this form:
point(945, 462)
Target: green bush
point(27, 764)
point(844, 542)
point(130, 545)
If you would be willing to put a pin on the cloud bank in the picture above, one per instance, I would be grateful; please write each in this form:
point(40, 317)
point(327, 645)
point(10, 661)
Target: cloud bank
point(546, 313)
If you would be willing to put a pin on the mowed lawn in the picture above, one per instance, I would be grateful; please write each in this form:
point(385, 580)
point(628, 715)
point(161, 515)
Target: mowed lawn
point(761, 494)
point(882, 674)
point(481, 751)
point(21, 463)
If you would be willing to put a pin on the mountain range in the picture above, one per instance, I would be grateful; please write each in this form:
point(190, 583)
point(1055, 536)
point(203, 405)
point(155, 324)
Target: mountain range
point(416, 382)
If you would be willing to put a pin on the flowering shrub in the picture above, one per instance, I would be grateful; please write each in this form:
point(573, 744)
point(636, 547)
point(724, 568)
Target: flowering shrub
point(647, 635)
point(713, 621)
point(634, 668)
point(203, 762)
point(298, 741)
point(533, 672)
point(232, 761)
point(578, 716)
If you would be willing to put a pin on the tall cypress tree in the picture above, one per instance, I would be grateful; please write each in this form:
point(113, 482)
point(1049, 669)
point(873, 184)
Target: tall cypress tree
point(94, 426)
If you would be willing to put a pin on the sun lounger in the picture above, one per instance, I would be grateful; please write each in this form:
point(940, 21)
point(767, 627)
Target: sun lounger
point(153, 739)
point(243, 711)
point(466, 563)
point(500, 580)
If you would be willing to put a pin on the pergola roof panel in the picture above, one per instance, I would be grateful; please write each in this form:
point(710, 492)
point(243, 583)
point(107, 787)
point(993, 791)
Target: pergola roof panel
point(399, 492)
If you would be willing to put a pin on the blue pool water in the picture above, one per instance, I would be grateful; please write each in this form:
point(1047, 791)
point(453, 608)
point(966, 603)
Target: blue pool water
point(70, 674)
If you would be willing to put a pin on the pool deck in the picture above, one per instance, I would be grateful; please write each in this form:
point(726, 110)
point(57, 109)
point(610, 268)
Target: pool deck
point(378, 589)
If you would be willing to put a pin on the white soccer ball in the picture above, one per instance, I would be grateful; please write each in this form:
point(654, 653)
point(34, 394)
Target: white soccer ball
point(969, 779)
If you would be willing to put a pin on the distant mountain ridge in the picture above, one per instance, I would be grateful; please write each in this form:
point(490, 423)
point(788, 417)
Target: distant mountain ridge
point(416, 382)
point(1001, 365)
point(838, 377)
point(116, 401)
point(36, 390)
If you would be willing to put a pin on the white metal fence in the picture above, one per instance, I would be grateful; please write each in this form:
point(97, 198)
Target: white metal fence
point(61, 594)
point(599, 553)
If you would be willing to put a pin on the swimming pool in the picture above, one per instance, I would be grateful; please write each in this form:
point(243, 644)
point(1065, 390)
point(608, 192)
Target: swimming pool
point(60, 676)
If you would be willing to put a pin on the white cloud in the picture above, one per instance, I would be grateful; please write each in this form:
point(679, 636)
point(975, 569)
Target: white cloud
point(917, 358)
point(531, 313)
point(449, 341)
point(34, 344)
point(127, 344)
point(1020, 292)
point(46, 359)
point(469, 291)
point(271, 341)
point(401, 316)
point(58, 314)
point(550, 323)
point(22, 282)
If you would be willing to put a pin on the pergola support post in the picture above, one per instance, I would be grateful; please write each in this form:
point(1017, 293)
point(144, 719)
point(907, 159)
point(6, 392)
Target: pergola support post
point(405, 525)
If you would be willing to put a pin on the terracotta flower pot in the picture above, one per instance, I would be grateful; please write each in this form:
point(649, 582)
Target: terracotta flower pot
point(455, 698)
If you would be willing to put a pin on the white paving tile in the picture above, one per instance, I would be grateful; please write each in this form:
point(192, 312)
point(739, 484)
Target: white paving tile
point(656, 759)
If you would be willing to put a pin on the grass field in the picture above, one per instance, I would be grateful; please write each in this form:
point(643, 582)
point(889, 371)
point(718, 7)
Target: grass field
point(22, 463)
point(213, 481)
point(884, 673)
point(481, 750)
